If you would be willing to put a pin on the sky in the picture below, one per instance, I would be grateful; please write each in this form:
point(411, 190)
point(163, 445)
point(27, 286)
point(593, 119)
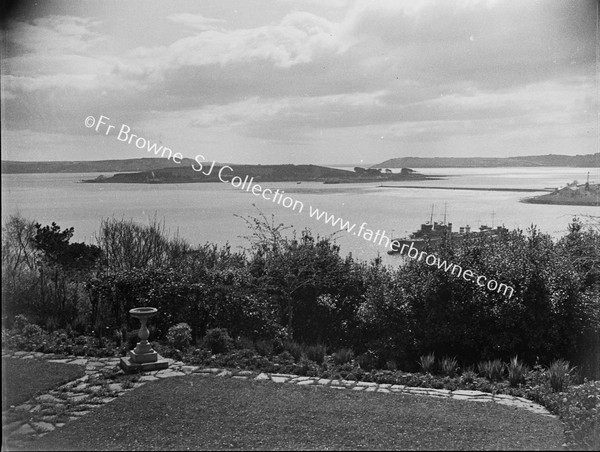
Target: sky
point(300, 81)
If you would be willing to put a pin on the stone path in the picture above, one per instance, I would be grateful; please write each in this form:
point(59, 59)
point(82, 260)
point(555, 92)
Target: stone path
point(104, 381)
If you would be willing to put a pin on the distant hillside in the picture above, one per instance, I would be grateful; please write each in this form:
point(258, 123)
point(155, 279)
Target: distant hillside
point(98, 166)
point(589, 160)
point(264, 173)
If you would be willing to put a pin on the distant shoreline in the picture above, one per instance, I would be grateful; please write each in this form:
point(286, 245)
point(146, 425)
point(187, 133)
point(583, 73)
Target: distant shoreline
point(548, 199)
point(156, 163)
point(469, 188)
point(571, 161)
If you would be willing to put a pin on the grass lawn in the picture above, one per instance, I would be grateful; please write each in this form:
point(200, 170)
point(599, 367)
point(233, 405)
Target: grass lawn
point(22, 379)
point(197, 413)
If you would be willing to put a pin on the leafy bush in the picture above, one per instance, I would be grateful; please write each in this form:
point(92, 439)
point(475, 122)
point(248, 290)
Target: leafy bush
point(244, 343)
point(199, 356)
point(308, 367)
point(427, 363)
point(580, 412)
point(343, 356)
point(559, 375)
point(294, 349)
point(468, 377)
point(449, 366)
point(284, 358)
point(491, 369)
point(368, 360)
point(180, 336)
point(218, 340)
point(264, 347)
point(315, 353)
point(19, 323)
point(516, 372)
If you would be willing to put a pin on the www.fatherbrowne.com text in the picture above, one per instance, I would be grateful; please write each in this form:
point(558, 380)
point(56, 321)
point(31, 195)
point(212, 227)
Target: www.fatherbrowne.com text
point(225, 175)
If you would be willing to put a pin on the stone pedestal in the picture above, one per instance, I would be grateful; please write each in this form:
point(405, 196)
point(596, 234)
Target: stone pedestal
point(143, 357)
point(130, 366)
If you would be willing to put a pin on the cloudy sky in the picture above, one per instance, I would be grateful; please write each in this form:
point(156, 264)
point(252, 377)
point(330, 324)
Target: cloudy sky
point(301, 81)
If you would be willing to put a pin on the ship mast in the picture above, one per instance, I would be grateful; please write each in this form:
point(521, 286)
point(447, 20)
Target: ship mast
point(445, 208)
point(431, 218)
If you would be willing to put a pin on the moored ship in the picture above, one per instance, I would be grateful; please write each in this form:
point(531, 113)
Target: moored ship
point(433, 232)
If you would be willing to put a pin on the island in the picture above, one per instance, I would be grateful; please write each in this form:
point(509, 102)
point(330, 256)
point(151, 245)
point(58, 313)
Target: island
point(572, 194)
point(262, 173)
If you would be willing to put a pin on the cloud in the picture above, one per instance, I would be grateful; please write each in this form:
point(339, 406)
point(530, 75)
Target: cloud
point(196, 21)
point(297, 39)
point(294, 111)
point(54, 34)
point(469, 112)
point(418, 70)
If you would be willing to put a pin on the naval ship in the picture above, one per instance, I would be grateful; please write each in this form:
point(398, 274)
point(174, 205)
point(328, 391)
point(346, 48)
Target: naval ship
point(433, 232)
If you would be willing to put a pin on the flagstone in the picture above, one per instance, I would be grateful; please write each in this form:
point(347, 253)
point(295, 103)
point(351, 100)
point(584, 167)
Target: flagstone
point(279, 379)
point(147, 378)
point(80, 361)
point(468, 392)
point(43, 426)
point(261, 376)
point(366, 383)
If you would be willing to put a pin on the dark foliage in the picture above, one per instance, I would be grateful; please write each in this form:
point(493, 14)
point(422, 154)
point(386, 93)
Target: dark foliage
point(289, 292)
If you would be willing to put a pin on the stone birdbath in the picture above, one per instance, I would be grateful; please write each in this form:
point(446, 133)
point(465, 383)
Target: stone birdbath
point(143, 357)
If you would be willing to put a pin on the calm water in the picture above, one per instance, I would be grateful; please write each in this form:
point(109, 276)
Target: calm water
point(209, 212)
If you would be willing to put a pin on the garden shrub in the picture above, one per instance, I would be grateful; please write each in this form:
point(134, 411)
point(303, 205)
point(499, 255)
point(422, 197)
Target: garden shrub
point(427, 363)
point(308, 367)
point(391, 365)
point(264, 347)
point(19, 323)
point(449, 366)
point(491, 369)
point(368, 360)
point(580, 411)
point(284, 358)
point(243, 342)
point(218, 340)
point(516, 372)
point(559, 375)
point(468, 377)
point(199, 356)
point(343, 356)
point(315, 353)
point(294, 349)
point(180, 336)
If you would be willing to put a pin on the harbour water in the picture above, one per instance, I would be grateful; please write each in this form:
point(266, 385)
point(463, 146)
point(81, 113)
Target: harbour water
point(211, 212)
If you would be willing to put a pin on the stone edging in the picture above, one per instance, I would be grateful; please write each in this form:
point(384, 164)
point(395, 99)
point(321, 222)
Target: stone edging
point(44, 413)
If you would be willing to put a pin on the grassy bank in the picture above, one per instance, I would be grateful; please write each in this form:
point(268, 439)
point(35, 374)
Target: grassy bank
point(195, 413)
point(24, 379)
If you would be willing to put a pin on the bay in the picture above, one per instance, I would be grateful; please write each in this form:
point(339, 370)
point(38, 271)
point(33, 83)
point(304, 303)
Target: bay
point(211, 212)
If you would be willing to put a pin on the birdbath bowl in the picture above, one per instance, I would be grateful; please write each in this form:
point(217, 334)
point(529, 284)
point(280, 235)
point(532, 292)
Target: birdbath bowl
point(143, 352)
point(143, 313)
